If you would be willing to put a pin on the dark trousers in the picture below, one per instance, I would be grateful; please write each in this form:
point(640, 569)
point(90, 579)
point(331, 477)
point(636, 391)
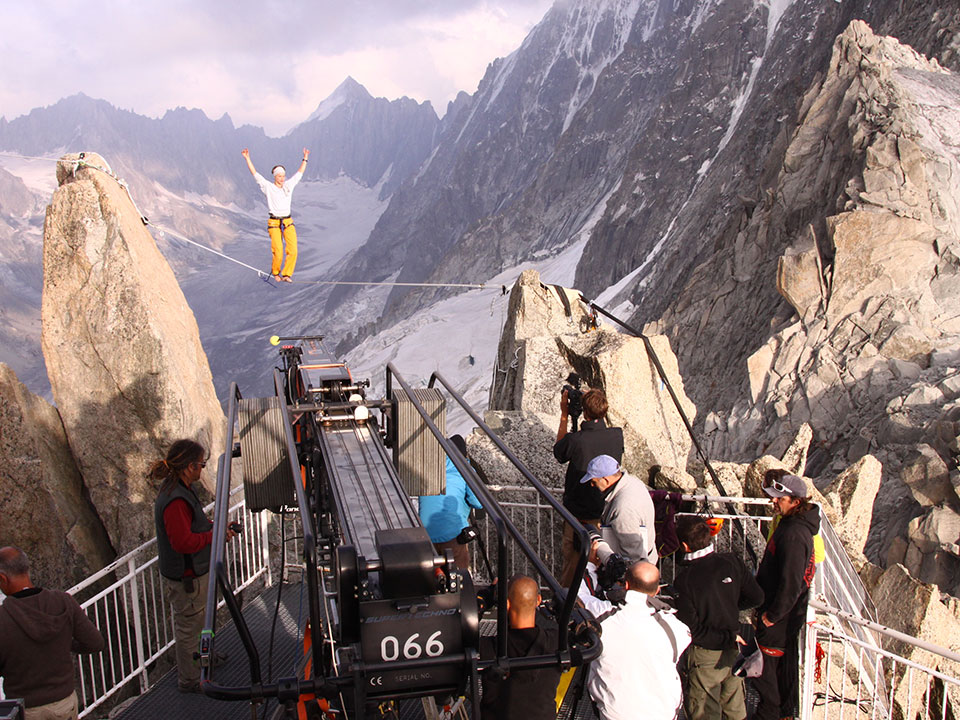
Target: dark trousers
point(779, 684)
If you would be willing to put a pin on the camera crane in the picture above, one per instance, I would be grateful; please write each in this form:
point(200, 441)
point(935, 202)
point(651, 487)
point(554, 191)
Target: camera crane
point(389, 618)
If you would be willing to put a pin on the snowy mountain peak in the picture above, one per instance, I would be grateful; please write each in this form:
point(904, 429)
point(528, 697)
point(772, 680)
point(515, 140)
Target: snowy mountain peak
point(587, 33)
point(348, 90)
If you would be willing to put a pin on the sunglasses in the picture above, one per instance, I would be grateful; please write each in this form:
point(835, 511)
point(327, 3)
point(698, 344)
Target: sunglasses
point(202, 463)
point(779, 487)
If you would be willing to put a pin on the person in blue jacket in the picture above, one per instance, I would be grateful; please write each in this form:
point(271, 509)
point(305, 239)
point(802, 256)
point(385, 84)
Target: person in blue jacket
point(445, 516)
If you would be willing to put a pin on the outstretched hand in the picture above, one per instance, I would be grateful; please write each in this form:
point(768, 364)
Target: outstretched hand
point(306, 153)
point(245, 152)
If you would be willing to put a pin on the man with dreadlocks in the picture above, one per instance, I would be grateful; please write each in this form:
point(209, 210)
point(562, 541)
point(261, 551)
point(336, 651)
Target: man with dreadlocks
point(785, 574)
point(184, 535)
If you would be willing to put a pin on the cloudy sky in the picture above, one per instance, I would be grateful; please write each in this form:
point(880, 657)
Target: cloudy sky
point(264, 62)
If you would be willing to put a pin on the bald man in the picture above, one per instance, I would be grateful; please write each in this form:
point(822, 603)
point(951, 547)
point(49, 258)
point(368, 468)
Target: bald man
point(522, 694)
point(636, 673)
point(39, 628)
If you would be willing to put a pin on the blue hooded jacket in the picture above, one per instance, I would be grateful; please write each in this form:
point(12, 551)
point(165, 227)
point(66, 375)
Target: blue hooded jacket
point(444, 516)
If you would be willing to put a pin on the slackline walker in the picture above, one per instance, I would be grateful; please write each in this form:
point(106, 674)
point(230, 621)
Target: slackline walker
point(280, 225)
point(164, 231)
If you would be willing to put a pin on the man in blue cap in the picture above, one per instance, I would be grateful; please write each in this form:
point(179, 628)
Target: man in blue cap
point(626, 524)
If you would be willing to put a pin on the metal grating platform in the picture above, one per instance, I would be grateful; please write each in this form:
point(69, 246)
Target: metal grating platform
point(163, 700)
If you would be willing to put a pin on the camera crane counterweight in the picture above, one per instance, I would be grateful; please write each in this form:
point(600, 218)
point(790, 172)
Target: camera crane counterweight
point(388, 617)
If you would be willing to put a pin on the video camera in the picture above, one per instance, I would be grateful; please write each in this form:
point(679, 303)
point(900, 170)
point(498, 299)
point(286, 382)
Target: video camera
point(611, 573)
point(574, 397)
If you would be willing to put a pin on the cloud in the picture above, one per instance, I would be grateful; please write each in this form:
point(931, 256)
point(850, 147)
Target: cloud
point(264, 62)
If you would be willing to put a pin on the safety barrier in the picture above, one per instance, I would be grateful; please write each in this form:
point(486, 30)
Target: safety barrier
point(544, 529)
point(126, 601)
point(898, 677)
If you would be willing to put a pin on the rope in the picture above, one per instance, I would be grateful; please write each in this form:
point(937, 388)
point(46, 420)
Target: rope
point(162, 231)
point(28, 157)
point(476, 286)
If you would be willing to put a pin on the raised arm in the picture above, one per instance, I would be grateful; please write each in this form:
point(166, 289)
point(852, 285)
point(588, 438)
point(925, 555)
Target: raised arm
point(564, 417)
point(246, 156)
point(303, 165)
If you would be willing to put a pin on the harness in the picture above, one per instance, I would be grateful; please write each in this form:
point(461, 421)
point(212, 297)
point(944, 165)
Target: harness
point(281, 222)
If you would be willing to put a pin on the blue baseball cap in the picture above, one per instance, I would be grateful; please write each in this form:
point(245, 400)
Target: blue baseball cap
point(600, 466)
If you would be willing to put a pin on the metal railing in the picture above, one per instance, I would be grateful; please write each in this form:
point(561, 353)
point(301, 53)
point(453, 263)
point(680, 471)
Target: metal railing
point(125, 600)
point(536, 519)
point(857, 679)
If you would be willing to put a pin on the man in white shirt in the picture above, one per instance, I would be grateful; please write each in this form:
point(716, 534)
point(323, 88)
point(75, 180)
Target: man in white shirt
point(281, 228)
point(636, 673)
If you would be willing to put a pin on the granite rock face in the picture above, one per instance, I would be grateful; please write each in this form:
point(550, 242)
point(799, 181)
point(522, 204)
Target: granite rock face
point(43, 502)
point(542, 344)
point(122, 348)
point(867, 217)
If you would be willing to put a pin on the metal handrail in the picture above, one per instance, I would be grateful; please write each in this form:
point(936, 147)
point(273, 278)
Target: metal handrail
point(885, 631)
point(490, 503)
point(308, 530)
point(581, 566)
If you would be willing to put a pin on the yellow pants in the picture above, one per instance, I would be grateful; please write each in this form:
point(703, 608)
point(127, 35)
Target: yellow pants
point(280, 231)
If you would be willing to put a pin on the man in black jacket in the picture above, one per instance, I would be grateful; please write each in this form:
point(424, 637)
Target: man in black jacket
point(577, 449)
point(711, 589)
point(785, 574)
point(522, 694)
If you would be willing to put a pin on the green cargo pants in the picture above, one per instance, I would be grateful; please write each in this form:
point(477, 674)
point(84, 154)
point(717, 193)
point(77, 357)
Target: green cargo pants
point(714, 692)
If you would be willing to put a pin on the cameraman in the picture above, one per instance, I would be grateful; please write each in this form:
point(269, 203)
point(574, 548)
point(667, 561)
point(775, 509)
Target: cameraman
point(577, 449)
point(627, 521)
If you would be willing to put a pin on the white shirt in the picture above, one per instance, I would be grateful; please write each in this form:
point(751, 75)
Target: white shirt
point(278, 198)
point(636, 673)
point(591, 602)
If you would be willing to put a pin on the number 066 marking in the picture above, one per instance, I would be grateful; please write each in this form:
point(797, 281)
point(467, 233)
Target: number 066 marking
point(390, 647)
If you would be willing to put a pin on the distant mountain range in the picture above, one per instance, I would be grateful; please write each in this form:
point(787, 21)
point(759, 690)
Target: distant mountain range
point(372, 140)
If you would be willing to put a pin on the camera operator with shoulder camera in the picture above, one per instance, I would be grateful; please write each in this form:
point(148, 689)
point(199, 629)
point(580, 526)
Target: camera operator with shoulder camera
point(603, 586)
point(627, 521)
point(577, 449)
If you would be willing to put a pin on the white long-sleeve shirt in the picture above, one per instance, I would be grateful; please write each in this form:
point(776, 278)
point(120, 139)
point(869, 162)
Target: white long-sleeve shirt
point(278, 198)
point(636, 673)
point(591, 602)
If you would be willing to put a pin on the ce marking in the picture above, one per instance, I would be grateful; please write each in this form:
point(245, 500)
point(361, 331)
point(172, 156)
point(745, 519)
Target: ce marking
point(376, 681)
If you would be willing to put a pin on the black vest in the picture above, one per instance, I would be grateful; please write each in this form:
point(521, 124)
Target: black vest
point(174, 564)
